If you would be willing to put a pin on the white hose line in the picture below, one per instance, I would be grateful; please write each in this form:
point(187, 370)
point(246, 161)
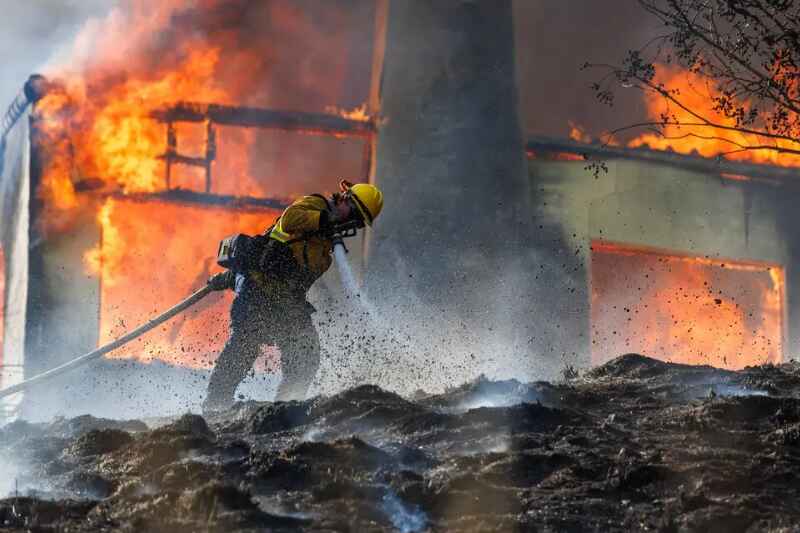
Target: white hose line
point(99, 352)
point(349, 282)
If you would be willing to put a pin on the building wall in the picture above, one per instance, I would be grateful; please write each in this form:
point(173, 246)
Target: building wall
point(650, 205)
point(14, 199)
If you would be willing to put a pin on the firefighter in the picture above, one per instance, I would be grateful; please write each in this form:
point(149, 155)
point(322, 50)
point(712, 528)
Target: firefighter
point(270, 306)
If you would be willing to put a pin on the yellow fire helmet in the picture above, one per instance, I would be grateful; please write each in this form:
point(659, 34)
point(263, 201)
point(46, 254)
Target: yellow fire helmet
point(368, 199)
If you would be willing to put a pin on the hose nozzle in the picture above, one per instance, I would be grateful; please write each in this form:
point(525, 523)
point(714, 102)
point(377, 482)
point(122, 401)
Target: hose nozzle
point(338, 240)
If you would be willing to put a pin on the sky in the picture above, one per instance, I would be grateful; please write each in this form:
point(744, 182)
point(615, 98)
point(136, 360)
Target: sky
point(31, 31)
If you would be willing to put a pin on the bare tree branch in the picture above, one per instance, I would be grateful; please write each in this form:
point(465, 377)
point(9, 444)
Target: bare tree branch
point(748, 53)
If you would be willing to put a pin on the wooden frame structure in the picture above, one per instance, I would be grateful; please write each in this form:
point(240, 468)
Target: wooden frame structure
point(213, 115)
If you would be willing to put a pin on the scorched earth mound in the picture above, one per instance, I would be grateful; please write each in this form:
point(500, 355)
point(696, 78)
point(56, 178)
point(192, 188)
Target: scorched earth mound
point(636, 444)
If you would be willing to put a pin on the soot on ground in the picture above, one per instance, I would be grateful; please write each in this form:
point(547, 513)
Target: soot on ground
point(636, 444)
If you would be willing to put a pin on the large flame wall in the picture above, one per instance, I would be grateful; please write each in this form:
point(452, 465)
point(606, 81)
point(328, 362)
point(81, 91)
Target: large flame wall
point(94, 134)
point(154, 255)
point(685, 309)
point(291, 55)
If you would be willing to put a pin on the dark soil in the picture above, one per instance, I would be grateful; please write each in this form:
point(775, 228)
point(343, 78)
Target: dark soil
point(633, 445)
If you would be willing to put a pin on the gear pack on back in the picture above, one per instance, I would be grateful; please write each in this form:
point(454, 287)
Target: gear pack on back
point(241, 253)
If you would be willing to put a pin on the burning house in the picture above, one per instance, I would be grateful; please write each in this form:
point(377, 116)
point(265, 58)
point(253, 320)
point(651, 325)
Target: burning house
point(121, 173)
point(123, 182)
point(682, 258)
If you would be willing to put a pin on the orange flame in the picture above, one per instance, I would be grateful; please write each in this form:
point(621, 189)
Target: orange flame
point(114, 137)
point(697, 94)
point(578, 133)
point(105, 258)
point(56, 189)
point(685, 309)
point(150, 263)
point(146, 56)
point(128, 142)
point(358, 113)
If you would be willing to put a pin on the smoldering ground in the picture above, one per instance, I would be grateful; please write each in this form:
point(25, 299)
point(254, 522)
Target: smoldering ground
point(635, 444)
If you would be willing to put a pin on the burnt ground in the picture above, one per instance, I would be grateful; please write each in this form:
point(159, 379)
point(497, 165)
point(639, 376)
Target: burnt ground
point(636, 444)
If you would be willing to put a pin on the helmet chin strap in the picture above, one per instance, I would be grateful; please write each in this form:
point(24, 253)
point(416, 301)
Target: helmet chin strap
point(346, 193)
point(355, 214)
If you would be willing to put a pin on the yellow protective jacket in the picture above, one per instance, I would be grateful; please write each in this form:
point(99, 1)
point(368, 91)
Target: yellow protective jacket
point(311, 252)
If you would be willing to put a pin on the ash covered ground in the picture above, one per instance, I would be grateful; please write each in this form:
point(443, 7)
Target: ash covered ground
point(636, 444)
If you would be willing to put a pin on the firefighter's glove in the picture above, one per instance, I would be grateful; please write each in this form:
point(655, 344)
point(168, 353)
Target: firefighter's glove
point(222, 281)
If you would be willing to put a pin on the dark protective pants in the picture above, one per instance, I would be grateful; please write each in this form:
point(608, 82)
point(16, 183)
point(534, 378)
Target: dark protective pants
point(257, 321)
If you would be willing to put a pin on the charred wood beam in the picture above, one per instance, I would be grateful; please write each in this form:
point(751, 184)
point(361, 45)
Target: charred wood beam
point(185, 160)
point(250, 117)
point(172, 156)
point(183, 196)
point(781, 175)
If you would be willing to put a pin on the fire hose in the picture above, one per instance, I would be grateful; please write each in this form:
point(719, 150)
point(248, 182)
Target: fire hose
point(101, 351)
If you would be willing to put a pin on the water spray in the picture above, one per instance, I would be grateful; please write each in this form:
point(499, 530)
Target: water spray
point(378, 360)
point(349, 280)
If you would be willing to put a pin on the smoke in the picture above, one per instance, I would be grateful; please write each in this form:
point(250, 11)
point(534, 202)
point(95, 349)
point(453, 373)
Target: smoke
point(18, 476)
point(32, 30)
point(405, 518)
point(736, 391)
point(296, 55)
point(9, 474)
point(553, 40)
